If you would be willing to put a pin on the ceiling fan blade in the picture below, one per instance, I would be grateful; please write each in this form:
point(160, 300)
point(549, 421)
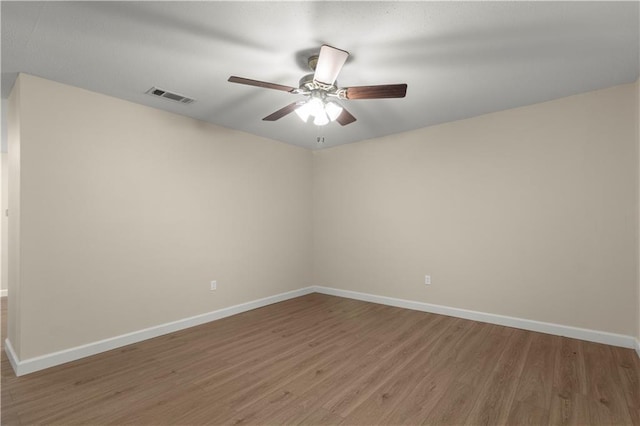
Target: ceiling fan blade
point(377, 92)
point(240, 80)
point(345, 118)
point(330, 62)
point(282, 112)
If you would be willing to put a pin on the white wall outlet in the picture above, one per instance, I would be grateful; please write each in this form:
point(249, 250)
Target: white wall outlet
point(427, 279)
point(214, 285)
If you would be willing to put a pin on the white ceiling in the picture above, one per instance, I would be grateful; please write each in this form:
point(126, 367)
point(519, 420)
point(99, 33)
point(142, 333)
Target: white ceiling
point(459, 59)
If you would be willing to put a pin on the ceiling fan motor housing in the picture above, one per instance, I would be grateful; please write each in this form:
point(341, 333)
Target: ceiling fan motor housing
point(306, 82)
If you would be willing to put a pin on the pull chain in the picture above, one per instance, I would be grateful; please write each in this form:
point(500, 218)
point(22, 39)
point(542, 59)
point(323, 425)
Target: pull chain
point(319, 139)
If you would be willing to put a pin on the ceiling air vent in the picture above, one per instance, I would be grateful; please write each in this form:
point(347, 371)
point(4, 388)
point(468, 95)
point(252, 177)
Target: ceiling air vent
point(156, 91)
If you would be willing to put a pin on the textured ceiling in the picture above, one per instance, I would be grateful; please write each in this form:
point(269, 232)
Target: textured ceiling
point(459, 59)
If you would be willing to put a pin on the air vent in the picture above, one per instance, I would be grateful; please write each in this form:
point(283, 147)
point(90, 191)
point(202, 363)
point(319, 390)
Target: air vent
point(161, 93)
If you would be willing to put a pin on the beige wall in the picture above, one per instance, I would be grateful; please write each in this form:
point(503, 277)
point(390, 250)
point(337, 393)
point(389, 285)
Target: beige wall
point(637, 114)
point(530, 212)
point(122, 214)
point(128, 212)
point(3, 221)
point(13, 204)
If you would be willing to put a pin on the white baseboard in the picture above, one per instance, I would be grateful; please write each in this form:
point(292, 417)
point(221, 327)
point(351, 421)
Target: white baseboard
point(542, 327)
point(3, 293)
point(11, 354)
point(30, 365)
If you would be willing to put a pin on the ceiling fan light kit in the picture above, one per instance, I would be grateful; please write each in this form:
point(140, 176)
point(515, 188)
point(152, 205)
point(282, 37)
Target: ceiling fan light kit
point(317, 107)
point(321, 86)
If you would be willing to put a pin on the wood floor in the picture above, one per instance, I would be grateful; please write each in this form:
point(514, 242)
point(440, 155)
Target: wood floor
point(320, 359)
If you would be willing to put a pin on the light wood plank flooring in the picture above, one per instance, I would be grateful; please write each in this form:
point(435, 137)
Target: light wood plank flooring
point(320, 359)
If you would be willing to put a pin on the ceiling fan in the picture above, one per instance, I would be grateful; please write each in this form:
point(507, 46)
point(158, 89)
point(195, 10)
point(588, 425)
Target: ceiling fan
point(321, 86)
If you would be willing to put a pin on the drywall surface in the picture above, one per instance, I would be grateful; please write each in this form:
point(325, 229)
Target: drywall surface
point(4, 190)
point(13, 204)
point(530, 213)
point(129, 212)
point(637, 115)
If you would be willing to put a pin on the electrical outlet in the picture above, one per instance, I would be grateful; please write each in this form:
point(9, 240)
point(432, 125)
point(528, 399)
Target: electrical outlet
point(214, 285)
point(427, 279)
